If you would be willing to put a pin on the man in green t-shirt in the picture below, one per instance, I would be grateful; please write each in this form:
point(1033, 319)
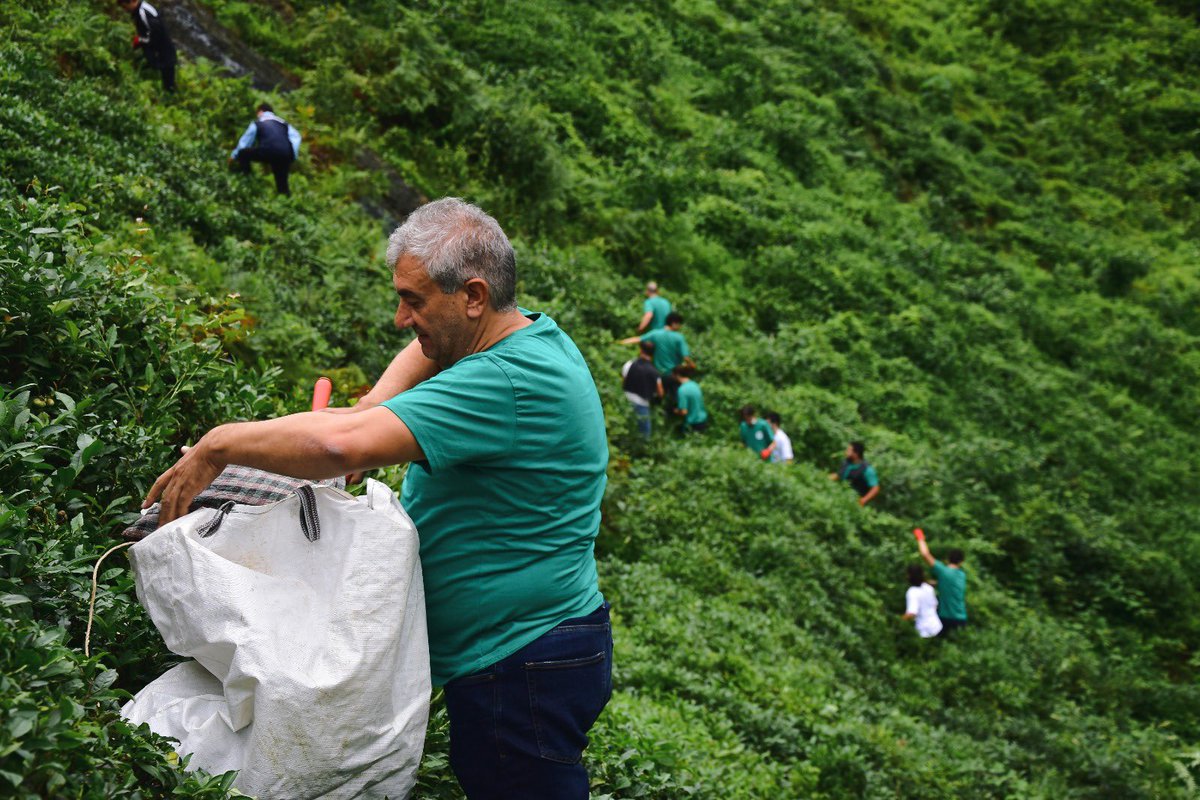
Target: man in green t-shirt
point(756, 433)
point(654, 310)
point(951, 585)
point(498, 417)
point(670, 350)
point(858, 473)
point(690, 404)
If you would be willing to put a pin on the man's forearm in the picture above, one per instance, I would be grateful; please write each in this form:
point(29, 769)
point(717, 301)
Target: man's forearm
point(869, 496)
point(408, 368)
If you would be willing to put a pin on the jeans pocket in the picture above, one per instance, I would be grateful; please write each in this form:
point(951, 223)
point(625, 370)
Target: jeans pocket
point(565, 698)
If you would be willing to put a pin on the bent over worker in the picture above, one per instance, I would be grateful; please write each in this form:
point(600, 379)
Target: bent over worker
point(498, 416)
point(269, 140)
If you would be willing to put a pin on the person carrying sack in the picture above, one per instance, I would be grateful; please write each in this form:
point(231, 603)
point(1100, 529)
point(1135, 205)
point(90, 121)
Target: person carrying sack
point(499, 419)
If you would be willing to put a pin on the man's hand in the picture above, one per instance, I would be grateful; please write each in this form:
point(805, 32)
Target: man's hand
point(766, 453)
point(137, 41)
point(176, 488)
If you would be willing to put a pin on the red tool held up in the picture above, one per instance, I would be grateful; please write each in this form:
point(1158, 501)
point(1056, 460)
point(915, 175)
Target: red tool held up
point(321, 391)
point(919, 534)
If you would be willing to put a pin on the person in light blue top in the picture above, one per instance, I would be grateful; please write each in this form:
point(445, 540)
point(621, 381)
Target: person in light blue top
point(654, 310)
point(272, 141)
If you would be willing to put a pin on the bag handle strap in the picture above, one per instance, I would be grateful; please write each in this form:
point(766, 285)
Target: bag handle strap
point(310, 521)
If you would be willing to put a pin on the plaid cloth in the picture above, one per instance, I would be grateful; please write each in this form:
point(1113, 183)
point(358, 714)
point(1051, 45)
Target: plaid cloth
point(236, 484)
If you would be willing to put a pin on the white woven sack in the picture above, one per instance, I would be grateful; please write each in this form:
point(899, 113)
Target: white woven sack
point(311, 671)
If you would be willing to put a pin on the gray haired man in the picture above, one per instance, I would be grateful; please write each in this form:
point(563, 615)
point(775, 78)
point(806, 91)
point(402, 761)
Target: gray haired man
point(496, 412)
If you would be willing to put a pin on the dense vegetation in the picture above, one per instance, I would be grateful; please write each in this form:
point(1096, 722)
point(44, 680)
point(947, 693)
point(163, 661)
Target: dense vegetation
point(964, 232)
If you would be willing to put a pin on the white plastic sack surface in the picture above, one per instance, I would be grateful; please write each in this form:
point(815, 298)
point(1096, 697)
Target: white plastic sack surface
point(312, 663)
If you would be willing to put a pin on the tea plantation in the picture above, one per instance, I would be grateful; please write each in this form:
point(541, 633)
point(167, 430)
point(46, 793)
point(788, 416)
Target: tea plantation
point(966, 233)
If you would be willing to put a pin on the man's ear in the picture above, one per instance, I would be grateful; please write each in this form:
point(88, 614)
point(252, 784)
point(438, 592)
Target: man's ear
point(479, 297)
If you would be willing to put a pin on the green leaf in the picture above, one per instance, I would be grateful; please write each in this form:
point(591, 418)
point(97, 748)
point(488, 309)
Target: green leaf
point(59, 306)
point(13, 599)
point(66, 400)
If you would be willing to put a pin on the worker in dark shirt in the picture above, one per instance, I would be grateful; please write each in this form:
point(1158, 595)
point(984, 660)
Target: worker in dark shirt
point(272, 141)
point(152, 39)
point(643, 385)
point(858, 473)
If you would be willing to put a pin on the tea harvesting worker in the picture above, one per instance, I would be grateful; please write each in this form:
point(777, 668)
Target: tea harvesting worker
point(670, 350)
point(153, 39)
point(498, 416)
point(756, 432)
point(920, 604)
point(780, 451)
point(858, 473)
point(642, 385)
point(690, 400)
point(951, 584)
point(654, 309)
point(272, 141)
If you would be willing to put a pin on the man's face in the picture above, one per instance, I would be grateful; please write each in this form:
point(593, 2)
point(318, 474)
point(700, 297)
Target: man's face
point(850, 454)
point(440, 320)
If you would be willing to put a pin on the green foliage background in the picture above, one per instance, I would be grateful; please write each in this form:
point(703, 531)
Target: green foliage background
point(966, 232)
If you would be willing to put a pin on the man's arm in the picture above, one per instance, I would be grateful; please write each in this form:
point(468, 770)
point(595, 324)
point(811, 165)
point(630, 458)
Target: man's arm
point(869, 496)
point(646, 318)
point(658, 387)
point(408, 368)
point(630, 340)
point(312, 445)
point(923, 548)
point(246, 141)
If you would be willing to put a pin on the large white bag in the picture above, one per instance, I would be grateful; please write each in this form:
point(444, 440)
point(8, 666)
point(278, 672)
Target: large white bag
point(307, 622)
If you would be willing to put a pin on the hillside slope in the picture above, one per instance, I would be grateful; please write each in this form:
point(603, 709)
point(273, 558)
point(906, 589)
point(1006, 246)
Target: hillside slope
point(966, 233)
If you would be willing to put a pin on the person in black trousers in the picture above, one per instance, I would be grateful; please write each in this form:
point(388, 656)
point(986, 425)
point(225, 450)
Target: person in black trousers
point(272, 141)
point(152, 39)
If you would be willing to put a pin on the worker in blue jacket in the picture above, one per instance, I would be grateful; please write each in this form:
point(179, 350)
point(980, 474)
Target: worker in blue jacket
point(270, 140)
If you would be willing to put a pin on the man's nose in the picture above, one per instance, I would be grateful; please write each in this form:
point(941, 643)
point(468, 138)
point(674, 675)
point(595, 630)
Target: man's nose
point(403, 316)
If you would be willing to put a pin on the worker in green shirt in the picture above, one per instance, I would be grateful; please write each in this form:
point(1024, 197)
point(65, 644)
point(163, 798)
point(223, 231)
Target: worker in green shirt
point(498, 417)
point(951, 585)
point(756, 433)
point(858, 473)
point(654, 310)
point(690, 401)
point(670, 350)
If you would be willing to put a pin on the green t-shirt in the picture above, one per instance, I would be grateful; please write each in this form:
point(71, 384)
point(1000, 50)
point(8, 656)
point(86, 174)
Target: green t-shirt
point(670, 348)
point(757, 437)
point(507, 502)
point(691, 400)
point(952, 591)
point(660, 307)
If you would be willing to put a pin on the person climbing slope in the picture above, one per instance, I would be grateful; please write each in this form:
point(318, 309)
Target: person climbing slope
point(272, 141)
point(951, 584)
point(670, 350)
point(153, 39)
point(780, 451)
point(642, 385)
point(920, 604)
point(691, 401)
point(756, 433)
point(858, 473)
point(654, 310)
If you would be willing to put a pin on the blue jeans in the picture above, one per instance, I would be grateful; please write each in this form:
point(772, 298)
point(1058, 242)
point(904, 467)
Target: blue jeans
point(643, 419)
point(519, 727)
